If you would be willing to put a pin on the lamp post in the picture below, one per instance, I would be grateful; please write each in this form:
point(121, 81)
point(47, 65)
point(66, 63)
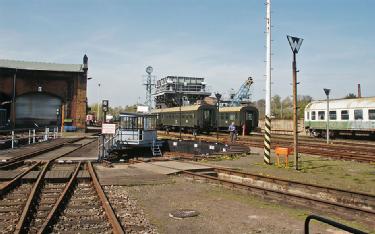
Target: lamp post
point(98, 114)
point(327, 91)
point(218, 96)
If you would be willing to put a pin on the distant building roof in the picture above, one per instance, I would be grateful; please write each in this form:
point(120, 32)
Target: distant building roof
point(26, 65)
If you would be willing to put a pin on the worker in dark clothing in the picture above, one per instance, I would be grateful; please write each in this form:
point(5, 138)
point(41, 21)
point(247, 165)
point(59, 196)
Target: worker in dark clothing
point(232, 132)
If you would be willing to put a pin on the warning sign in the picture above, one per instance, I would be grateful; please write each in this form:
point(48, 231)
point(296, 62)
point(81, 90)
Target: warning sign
point(108, 128)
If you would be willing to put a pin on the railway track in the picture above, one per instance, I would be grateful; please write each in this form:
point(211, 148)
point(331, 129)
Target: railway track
point(347, 204)
point(17, 158)
point(61, 198)
point(344, 150)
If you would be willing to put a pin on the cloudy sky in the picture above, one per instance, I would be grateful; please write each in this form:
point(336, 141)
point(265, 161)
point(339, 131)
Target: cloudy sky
point(221, 40)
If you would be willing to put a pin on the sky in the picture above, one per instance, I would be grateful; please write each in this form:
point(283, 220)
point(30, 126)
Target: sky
point(220, 40)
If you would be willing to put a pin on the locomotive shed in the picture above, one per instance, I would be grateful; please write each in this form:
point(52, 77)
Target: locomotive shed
point(38, 94)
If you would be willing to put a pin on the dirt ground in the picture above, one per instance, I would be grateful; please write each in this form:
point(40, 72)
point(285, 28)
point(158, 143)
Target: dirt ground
point(348, 175)
point(221, 210)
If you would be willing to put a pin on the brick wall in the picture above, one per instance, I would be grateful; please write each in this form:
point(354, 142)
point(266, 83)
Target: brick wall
point(69, 87)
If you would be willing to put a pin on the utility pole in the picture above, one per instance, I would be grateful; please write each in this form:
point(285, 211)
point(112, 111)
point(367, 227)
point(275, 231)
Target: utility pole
point(327, 91)
point(295, 44)
point(267, 117)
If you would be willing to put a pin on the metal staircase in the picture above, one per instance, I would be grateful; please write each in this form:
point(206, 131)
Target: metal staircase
point(155, 149)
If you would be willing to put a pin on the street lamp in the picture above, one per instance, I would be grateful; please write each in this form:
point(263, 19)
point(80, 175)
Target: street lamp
point(218, 96)
point(327, 91)
point(98, 114)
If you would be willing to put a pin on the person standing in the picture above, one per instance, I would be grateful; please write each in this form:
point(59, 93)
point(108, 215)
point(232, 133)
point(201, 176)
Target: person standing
point(232, 132)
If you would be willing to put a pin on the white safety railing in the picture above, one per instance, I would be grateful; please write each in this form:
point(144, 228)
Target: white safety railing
point(28, 136)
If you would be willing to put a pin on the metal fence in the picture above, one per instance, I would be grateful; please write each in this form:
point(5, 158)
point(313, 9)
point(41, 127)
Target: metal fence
point(15, 137)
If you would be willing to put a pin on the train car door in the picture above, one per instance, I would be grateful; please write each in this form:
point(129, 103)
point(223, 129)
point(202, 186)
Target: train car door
point(207, 119)
point(249, 118)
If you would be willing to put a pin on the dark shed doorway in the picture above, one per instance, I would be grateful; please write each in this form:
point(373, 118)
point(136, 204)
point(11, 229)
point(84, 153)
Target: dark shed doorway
point(37, 110)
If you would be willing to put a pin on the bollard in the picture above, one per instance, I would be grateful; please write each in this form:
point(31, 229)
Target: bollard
point(54, 133)
point(29, 136)
point(33, 136)
point(12, 139)
point(45, 134)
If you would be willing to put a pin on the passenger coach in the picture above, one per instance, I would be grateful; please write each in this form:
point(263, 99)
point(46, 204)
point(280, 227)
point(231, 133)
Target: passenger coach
point(199, 118)
point(349, 116)
point(244, 117)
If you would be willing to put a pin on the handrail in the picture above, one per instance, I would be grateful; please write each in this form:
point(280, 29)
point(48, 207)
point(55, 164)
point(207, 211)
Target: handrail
point(330, 222)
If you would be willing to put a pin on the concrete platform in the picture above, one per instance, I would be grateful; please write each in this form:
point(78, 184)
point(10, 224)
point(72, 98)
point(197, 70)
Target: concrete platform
point(8, 175)
point(5, 155)
point(154, 168)
point(170, 167)
point(127, 175)
point(53, 154)
point(90, 150)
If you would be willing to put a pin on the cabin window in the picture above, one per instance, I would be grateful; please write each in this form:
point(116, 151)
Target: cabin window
point(249, 116)
point(321, 115)
point(371, 114)
point(313, 115)
point(332, 115)
point(344, 115)
point(358, 114)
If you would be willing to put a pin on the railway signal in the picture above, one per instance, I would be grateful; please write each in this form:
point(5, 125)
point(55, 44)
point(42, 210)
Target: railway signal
point(105, 108)
point(295, 44)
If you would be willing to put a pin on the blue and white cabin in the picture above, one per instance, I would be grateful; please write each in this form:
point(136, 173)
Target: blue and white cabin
point(136, 129)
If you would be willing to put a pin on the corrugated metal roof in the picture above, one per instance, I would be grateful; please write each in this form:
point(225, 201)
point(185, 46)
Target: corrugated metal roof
point(230, 108)
point(236, 108)
point(367, 102)
point(41, 66)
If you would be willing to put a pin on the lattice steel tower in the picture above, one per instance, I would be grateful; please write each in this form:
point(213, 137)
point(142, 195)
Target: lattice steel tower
point(148, 85)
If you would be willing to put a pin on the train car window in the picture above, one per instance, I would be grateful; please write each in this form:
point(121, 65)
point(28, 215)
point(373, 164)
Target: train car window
point(332, 115)
point(307, 115)
point(344, 115)
point(249, 116)
point(371, 114)
point(321, 115)
point(358, 114)
point(232, 116)
point(313, 115)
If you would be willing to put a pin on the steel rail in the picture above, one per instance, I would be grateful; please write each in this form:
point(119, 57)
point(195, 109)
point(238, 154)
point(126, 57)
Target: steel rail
point(358, 198)
point(117, 228)
point(8, 185)
point(19, 159)
point(59, 203)
point(31, 201)
point(280, 195)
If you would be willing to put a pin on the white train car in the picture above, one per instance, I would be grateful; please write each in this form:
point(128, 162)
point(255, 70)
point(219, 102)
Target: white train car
point(346, 116)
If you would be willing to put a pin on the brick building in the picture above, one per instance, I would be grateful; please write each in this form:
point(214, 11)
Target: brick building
point(43, 94)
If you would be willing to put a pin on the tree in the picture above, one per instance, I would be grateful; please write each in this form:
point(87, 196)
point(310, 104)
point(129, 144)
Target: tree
point(302, 101)
point(350, 95)
point(260, 104)
point(287, 108)
point(276, 106)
